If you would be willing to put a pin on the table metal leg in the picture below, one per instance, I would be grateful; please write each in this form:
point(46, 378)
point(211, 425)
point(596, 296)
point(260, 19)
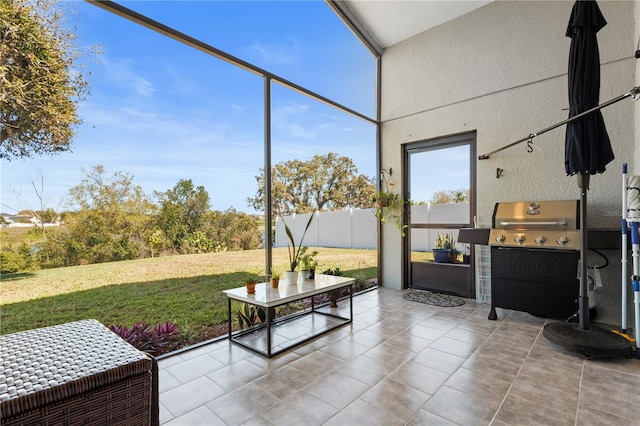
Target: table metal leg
point(268, 332)
point(229, 315)
point(351, 302)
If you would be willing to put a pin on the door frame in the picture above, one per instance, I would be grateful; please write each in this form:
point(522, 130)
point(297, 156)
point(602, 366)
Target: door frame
point(458, 139)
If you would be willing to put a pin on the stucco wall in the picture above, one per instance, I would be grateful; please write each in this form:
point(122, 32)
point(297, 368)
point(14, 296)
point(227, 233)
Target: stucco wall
point(501, 70)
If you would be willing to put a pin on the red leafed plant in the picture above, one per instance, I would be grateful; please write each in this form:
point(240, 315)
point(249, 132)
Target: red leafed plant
point(156, 340)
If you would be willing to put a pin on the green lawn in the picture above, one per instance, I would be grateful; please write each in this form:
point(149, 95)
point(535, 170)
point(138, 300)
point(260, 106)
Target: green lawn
point(186, 290)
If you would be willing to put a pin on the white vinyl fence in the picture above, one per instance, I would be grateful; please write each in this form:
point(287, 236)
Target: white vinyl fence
point(356, 228)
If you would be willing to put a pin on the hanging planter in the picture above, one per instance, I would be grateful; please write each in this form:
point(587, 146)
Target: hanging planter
point(387, 207)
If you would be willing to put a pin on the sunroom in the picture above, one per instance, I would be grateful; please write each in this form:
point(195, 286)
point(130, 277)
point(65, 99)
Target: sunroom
point(455, 81)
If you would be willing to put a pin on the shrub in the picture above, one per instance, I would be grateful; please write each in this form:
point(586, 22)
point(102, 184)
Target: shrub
point(15, 261)
point(156, 340)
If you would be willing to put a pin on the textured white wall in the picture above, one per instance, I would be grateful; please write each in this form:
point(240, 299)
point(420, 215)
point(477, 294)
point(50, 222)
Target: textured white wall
point(501, 70)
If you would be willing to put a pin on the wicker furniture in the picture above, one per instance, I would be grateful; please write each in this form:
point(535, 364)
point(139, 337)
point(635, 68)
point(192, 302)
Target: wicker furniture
point(76, 373)
point(272, 337)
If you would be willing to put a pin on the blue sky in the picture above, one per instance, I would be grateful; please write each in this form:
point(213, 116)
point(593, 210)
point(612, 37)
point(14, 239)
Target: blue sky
point(162, 111)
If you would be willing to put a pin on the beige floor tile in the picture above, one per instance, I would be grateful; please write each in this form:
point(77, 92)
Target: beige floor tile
point(409, 342)
point(301, 408)
point(607, 378)
point(360, 412)
point(365, 370)
point(615, 402)
point(439, 360)
point(520, 410)
point(544, 371)
point(591, 417)
point(426, 332)
point(201, 416)
point(398, 399)
point(367, 337)
point(282, 382)
point(345, 349)
point(388, 355)
point(497, 367)
point(194, 368)
point(237, 374)
point(454, 347)
point(242, 403)
point(425, 379)
point(546, 393)
point(482, 384)
point(423, 417)
point(337, 389)
point(189, 396)
point(461, 408)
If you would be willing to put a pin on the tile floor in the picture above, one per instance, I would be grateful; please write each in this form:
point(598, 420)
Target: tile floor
point(404, 363)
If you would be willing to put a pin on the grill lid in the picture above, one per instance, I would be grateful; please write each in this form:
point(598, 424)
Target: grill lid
point(540, 224)
point(564, 214)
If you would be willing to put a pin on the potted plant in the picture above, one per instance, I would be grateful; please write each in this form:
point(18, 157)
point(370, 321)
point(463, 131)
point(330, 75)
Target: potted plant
point(466, 256)
point(275, 278)
point(249, 315)
point(308, 263)
point(250, 280)
point(389, 206)
point(294, 252)
point(333, 295)
point(444, 244)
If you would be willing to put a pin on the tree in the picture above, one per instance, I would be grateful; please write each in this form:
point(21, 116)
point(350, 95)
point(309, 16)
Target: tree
point(450, 196)
point(325, 182)
point(111, 224)
point(41, 80)
point(43, 214)
point(182, 213)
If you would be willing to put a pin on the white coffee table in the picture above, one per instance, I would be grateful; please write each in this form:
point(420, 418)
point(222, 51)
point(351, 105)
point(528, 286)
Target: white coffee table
point(277, 335)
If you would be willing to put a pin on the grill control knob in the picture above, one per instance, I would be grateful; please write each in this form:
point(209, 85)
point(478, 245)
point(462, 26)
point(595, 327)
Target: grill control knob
point(519, 239)
point(541, 239)
point(500, 238)
point(563, 240)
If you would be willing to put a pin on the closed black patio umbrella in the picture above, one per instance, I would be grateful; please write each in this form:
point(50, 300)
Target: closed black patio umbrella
point(587, 152)
point(587, 146)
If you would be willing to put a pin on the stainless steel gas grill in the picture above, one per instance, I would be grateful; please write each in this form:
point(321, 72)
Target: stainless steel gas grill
point(535, 248)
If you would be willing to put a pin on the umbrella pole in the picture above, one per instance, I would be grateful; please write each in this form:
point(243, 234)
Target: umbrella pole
point(583, 300)
point(623, 259)
point(582, 337)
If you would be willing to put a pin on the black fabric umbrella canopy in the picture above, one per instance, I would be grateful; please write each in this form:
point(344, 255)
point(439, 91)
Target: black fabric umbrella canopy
point(587, 146)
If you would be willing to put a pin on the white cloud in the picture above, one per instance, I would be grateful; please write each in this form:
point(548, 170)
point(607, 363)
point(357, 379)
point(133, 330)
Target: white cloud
point(120, 71)
point(274, 53)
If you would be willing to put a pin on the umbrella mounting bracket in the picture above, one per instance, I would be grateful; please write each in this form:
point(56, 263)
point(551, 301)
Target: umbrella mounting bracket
point(634, 93)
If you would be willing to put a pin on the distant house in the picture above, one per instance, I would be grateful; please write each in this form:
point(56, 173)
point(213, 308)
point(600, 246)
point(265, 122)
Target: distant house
point(24, 221)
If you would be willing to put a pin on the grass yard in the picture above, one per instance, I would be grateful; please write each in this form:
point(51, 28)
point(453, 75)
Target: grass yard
point(186, 290)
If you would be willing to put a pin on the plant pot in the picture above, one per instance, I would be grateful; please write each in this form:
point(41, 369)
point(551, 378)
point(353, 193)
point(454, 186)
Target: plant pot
point(291, 277)
point(275, 282)
point(466, 259)
point(305, 275)
point(442, 255)
point(251, 288)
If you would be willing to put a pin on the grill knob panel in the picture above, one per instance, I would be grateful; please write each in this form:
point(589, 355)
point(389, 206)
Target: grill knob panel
point(501, 238)
point(541, 239)
point(563, 240)
point(519, 238)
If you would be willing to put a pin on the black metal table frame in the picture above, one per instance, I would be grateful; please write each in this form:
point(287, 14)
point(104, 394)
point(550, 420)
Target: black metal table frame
point(270, 322)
